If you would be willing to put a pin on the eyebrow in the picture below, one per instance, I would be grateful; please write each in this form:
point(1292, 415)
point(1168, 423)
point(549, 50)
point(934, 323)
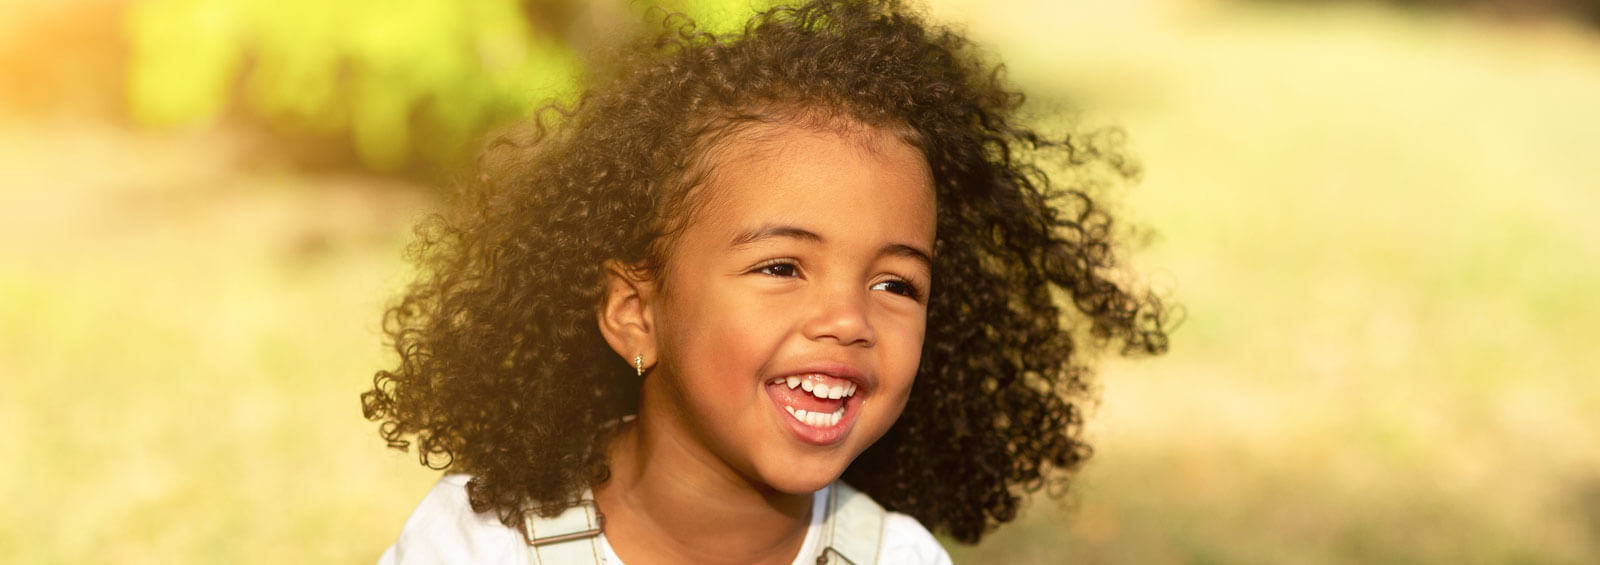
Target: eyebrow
point(768, 231)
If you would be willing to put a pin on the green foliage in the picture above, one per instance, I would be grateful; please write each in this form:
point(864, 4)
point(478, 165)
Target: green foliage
point(381, 71)
point(399, 77)
point(721, 16)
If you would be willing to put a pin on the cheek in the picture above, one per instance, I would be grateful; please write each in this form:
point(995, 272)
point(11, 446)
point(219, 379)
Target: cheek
point(905, 351)
point(721, 347)
point(900, 362)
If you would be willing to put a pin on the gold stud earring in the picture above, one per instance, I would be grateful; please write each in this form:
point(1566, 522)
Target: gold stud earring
point(638, 364)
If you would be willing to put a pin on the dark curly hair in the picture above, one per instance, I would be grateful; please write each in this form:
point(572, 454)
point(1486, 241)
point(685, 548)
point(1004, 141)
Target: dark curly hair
point(503, 372)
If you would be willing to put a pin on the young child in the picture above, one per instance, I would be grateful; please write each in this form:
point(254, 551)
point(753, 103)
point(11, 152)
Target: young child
point(788, 296)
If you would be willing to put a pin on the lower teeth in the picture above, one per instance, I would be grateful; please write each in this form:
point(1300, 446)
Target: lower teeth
point(816, 419)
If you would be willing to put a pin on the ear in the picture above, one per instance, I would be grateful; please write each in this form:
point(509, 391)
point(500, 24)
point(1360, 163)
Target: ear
point(626, 318)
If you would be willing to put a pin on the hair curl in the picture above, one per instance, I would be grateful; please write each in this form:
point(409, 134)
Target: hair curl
point(503, 372)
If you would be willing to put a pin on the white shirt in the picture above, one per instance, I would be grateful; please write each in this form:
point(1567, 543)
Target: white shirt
point(444, 529)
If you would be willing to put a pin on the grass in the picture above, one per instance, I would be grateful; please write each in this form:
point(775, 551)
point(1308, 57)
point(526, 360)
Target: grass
point(1379, 223)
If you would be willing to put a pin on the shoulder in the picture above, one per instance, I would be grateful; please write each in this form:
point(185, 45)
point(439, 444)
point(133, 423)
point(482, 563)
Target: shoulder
point(902, 539)
point(906, 541)
point(445, 529)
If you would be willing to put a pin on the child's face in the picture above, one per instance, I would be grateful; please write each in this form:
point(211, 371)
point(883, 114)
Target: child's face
point(807, 263)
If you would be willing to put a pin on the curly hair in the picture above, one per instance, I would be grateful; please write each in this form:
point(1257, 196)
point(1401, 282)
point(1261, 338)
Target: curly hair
point(503, 372)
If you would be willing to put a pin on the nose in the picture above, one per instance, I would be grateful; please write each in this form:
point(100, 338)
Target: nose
point(840, 314)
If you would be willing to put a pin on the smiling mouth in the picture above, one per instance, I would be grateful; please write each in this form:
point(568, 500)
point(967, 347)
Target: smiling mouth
point(818, 404)
point(826, 405)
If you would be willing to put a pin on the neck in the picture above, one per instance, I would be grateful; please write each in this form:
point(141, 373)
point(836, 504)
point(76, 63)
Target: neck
point(668, 502)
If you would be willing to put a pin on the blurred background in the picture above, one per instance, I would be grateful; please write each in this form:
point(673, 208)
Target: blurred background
point(1378, 217)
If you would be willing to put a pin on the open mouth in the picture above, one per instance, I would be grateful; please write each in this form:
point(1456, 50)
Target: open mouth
point(819, 408)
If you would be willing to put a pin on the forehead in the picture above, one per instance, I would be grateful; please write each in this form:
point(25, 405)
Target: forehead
point(812, 172)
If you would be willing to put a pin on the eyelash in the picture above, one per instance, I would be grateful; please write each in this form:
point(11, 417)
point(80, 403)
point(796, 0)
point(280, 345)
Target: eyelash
point(766, 266)
point(910, 290)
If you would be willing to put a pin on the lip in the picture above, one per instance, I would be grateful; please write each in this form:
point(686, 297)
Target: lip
point(821, 437)
point(835, 370)
point(831, 435)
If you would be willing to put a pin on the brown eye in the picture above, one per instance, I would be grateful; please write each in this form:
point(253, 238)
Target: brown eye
point(899, 287)
point(779, 270)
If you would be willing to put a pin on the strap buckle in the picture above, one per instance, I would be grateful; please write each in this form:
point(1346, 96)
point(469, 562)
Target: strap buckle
point(822, 559)
point(584, 513)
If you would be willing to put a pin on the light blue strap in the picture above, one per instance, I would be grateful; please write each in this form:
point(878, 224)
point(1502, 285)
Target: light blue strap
point(569, 538)
point(853, 530)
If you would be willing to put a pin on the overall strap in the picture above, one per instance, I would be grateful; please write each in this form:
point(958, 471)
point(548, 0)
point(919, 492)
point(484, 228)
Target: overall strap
point(571, 537)
point(852, 531)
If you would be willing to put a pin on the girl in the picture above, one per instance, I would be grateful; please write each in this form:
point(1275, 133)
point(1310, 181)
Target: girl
point(787, 296)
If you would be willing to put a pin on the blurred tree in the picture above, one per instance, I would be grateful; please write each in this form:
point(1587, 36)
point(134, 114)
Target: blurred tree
point(400, 79)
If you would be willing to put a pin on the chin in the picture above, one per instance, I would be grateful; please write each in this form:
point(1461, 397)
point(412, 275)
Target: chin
point(790, 478)
point(792, 485)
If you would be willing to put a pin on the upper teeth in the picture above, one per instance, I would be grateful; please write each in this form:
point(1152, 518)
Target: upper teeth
point(819, 390)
